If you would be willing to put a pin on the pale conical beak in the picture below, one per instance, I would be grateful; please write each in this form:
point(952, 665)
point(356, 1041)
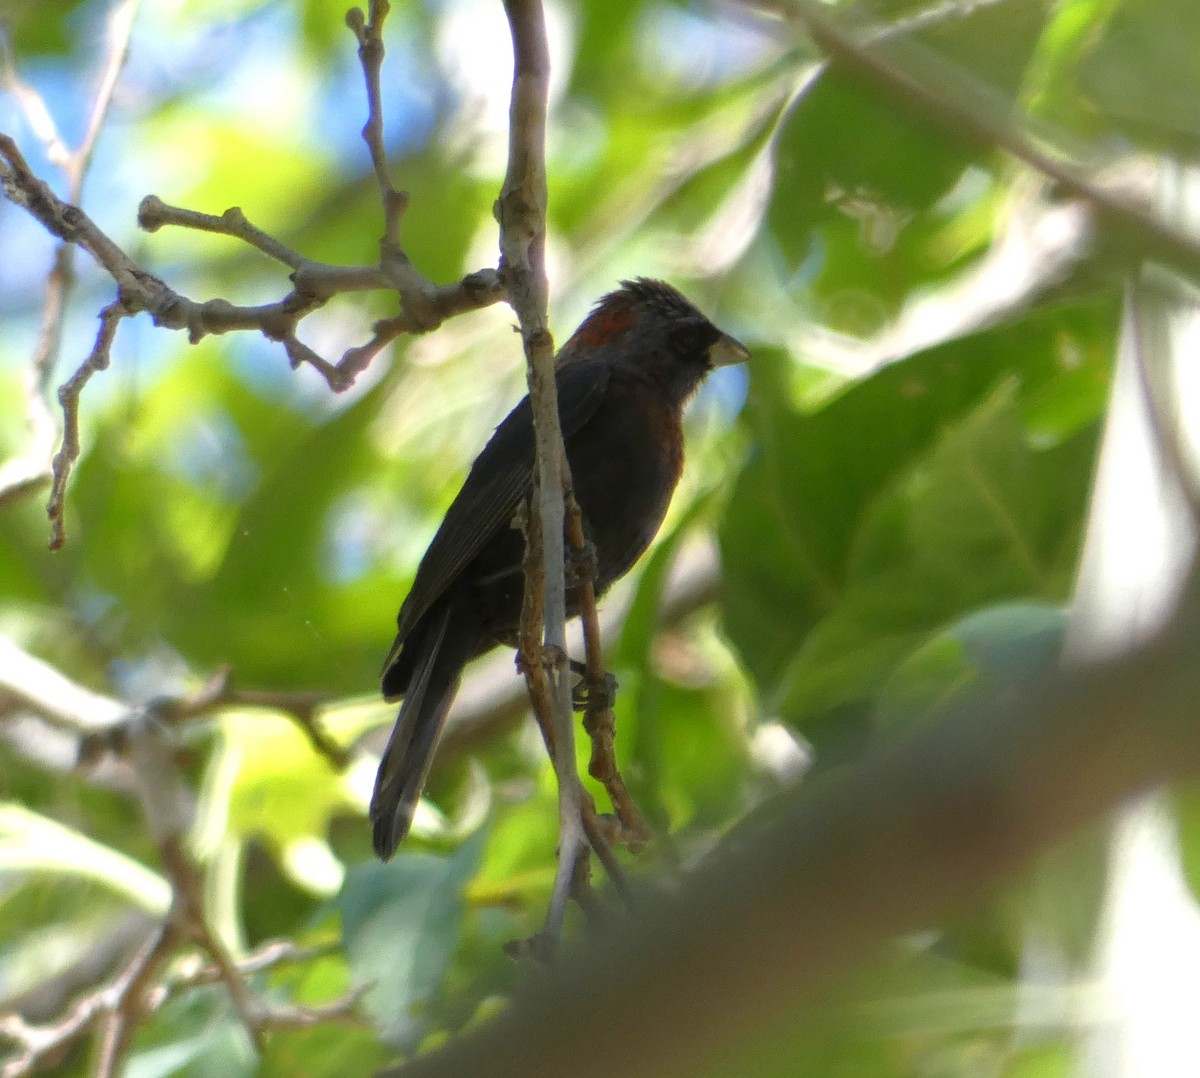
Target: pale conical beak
point(725, 351)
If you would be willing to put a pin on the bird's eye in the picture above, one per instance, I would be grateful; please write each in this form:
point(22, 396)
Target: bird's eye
point(692, 339)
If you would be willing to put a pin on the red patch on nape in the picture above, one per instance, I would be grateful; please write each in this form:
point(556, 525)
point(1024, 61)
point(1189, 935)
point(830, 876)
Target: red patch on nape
point(603, 326)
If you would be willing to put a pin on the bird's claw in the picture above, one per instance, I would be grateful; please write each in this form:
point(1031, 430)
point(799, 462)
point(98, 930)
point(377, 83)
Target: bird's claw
point(618, 832)
point(593, 695)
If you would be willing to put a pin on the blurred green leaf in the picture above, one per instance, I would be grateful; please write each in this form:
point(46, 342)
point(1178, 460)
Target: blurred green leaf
point(195, 1035)
point(31, 843)
point(831, 500)
point(266, 780)
point(1140, 76)
point(885, 160)
point(982, 518)
point(400, 925)
point(995, 649)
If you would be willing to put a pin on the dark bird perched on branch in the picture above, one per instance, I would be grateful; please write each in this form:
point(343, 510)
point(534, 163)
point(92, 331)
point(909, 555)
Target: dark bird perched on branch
point(622, 379)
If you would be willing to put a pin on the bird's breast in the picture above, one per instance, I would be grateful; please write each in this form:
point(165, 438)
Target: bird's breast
point(625, 464)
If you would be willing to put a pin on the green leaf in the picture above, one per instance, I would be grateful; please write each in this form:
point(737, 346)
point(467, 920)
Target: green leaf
point(992, 650)
point(843, 145)
point(831, 499)
point(264, 780)
point(400, 926)
point(981, 518)
point(1141, 76)
point(30, 842)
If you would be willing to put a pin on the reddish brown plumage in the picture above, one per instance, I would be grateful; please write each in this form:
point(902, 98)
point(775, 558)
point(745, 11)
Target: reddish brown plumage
point(623, 379)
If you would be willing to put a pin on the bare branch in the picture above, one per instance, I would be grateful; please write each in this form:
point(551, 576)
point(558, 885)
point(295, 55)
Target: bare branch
point(423, 304)
point(116, 1005)
point(120, 29)
point(68, 396)
point(123, 1005)
point(315, 282)
point(598, 716)
point(369, 31)
point(153, 214)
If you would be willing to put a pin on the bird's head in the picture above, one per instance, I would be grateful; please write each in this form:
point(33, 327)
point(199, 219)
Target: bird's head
point(650, 325)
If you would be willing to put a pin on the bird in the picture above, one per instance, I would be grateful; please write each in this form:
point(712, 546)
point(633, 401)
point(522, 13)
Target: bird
point(622, 379)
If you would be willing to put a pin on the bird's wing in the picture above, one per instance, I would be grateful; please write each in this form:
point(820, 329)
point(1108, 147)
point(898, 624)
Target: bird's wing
point(500, 477)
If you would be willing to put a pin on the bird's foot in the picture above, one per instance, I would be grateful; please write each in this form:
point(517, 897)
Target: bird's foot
point(550, 657)
point(592, 695)
point(633, 834)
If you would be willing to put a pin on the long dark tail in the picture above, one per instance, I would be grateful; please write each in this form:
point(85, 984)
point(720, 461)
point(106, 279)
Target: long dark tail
point(409, 754)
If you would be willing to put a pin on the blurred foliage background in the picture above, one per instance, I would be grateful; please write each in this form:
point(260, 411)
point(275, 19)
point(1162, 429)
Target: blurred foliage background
point(895, 486)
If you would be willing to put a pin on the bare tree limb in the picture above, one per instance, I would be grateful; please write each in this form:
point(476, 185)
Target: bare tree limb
point(68, 396)
point(598, 717)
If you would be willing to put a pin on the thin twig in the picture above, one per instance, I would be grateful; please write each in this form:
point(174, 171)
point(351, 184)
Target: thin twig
point(599, 841)
point(33, 468)
point(369, 31)
point(68, 397)
point(598, 720)
point(126, 1006)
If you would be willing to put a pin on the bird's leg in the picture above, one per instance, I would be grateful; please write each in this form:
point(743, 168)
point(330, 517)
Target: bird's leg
point(595, 696)
point(599, 685)
point(588, 693)
point(630, 829)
